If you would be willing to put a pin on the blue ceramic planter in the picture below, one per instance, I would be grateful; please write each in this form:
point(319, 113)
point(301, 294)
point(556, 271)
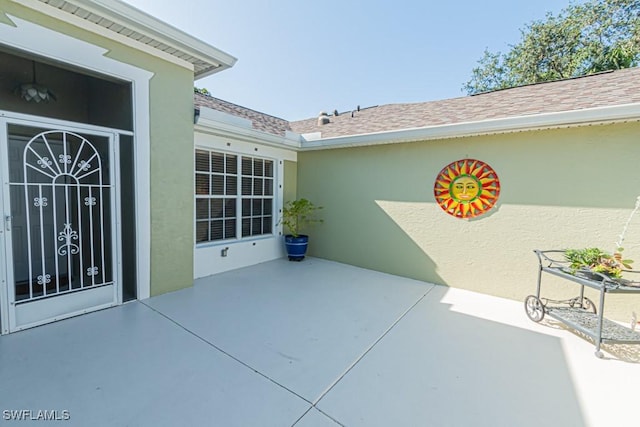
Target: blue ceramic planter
point(296, 246)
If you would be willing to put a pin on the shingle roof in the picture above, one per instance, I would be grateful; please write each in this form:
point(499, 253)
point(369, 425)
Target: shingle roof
point(599, 90)
point(261, 121)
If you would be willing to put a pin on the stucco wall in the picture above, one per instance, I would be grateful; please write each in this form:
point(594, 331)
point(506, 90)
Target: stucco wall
point(290, 182)
point(171, 147)
point(560, 189)
point(172, 180)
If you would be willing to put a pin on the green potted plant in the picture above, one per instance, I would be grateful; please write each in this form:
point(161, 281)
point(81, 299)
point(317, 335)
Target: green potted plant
point(297, 215)
point(595, 260)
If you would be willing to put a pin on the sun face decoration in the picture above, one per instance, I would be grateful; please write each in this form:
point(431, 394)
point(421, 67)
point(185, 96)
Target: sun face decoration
point(467, 188)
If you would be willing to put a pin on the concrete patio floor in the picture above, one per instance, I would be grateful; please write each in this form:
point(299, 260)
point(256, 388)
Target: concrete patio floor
point(316, 343)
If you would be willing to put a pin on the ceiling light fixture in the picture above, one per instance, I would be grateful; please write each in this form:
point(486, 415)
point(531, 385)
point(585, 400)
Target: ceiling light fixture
point(33, 92)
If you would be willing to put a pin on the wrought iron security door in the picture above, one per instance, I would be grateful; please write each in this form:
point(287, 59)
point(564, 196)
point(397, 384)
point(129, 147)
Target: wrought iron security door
point(61, 195)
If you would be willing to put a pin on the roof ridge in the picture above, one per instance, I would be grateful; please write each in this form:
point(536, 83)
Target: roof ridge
point(550, 81)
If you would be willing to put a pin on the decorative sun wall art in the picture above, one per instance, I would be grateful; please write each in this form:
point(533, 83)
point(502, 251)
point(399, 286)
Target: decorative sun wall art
point(467, 188)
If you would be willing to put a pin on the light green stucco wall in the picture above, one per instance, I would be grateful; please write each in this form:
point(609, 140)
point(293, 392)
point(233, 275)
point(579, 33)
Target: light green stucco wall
point(172, 177)
point(290, 181)
point(171, 131)
point(559, 189)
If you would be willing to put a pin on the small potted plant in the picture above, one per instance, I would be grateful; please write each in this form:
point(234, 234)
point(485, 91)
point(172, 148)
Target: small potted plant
point(296, 215)
point(594, 260)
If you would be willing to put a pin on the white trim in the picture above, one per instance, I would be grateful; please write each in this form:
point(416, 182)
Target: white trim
point(213, 122)
point(117, 214)
point(30, 37)
point(143, 23)
point(49, 310)
point(220, 117)
point(239, 197)
point(233, 145)
point(563, 119)
point(102, 32)
point(71, 126)
point(22, 315)
point(142, 167)
point(4, 259)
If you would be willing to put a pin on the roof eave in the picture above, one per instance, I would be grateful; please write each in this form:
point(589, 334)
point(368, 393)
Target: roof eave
point(564, 119)
point(212, 70)
point(132, 18)
point(160, 28)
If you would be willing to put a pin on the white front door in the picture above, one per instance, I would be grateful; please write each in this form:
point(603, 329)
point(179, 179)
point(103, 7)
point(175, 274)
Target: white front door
point(59, 222)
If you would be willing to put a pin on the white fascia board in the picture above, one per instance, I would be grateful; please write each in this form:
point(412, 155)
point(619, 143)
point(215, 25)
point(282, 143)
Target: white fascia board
point(313, 136)
point(213, 122)
point(123, 13)
point(565, 119)
point(209, 114)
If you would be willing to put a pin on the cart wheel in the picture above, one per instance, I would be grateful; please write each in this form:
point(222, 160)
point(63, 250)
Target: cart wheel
point(534, 308)
point(599, 354)
point(588, 305)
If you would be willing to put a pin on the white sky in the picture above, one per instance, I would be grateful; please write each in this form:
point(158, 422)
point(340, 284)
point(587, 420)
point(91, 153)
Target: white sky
point(297, 57)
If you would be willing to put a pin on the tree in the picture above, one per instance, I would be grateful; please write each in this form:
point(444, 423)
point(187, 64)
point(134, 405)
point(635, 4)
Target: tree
point(582, 39)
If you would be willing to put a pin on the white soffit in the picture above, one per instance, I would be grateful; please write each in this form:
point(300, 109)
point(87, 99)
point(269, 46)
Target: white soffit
point(126, 21)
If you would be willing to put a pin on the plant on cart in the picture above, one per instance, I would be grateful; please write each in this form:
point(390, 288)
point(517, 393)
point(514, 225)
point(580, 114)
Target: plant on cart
point(597, 261)
point(604, 272)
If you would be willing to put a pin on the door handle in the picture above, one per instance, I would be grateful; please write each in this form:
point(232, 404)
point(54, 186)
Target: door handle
point(7, 222)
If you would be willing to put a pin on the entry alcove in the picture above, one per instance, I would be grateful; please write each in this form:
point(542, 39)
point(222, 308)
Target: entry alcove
point(85, 97)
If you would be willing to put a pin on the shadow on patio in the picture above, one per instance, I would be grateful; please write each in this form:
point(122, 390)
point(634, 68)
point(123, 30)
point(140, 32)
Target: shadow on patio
point(315, 343)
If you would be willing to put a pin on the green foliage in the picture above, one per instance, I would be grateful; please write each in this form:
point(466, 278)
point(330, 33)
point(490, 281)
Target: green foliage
point(598, 261)
point(201, 91)
point(297, 214)
point(583, 39)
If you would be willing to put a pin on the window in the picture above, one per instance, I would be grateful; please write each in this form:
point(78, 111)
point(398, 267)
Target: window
point(226, 210)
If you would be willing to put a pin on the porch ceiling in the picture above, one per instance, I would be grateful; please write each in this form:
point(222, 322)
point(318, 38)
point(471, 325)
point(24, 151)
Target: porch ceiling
point(120, 18)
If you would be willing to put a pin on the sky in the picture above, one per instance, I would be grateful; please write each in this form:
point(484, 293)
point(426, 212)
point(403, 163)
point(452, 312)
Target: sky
point(299, 57)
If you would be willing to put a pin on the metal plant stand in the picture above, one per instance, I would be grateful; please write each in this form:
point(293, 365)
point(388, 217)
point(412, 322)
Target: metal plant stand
point(580, 313)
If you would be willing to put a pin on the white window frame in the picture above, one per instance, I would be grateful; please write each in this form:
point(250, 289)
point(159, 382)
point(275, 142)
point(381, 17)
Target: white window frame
point(239, 196)
point(213, 133)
